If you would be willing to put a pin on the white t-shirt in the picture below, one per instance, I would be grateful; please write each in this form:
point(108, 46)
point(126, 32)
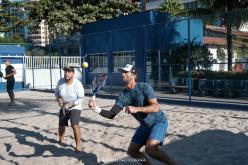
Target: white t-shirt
point(70, 93)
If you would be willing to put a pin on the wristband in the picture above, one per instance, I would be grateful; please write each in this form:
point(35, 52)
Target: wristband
point(98, 109)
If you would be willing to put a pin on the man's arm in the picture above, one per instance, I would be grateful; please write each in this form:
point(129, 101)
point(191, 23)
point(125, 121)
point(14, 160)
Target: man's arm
point(105, 113)
point(11, 74)
point(151, 108)
point(57, 95)
point(60, 102)
point(112, 113)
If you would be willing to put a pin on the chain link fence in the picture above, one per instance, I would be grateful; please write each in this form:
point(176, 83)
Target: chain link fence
point(192, 57)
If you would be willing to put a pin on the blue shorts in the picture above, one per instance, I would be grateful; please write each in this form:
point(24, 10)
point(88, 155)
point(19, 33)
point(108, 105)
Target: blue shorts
point(10, 85)
point(156, 132)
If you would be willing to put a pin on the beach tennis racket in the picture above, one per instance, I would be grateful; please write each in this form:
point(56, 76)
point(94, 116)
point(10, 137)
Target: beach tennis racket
point(98, 88)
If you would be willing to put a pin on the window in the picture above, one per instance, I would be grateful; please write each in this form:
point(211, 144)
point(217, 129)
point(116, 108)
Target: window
point(191, 5)
point(122, 58)
point(98, 63)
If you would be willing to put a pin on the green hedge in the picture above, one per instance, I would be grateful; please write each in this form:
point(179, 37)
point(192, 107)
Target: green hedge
point(11, 40)
point(201, 74)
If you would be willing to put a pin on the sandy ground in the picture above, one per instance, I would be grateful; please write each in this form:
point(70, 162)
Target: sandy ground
point(196, 136)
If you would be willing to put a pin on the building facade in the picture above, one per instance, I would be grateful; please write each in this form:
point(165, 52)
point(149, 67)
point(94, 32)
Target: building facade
point(142, 39)
point(39, 35)
point(155, 4)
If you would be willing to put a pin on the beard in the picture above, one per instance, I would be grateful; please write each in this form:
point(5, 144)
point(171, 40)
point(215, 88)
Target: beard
point(67, 79)
point(127, 81)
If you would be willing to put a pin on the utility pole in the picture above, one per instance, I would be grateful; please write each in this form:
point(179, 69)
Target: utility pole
point(144, 6)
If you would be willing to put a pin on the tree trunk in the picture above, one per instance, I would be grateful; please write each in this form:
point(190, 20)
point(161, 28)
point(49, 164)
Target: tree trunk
point(229, 44)
point(229, 22)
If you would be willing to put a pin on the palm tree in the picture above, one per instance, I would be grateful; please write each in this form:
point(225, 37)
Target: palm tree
point(233, 16)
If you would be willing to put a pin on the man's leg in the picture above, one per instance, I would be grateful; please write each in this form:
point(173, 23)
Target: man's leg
point(10, 88)
point(11, 96)
point(77, 136)
point(139, 139)
point(61, 134)
point(156, 137)
point(133, 151)
point(8, 91)
point(152, 149)
point(75, 118)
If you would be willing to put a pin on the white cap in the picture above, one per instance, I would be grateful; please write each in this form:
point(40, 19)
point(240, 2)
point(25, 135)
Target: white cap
point(127, 68)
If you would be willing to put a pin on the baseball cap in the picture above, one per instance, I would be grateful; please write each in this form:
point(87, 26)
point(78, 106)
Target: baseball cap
point(69, 68)
point(128, 68)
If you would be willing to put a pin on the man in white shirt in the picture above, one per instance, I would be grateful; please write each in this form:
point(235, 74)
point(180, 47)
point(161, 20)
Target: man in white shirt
point(69, 94)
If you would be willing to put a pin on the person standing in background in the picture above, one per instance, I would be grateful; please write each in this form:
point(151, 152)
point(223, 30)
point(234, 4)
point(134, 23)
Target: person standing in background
point(9, 76)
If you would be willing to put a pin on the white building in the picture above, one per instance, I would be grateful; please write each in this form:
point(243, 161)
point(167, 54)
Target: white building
point(39, 35)
point(215, 39)
point(154, 4)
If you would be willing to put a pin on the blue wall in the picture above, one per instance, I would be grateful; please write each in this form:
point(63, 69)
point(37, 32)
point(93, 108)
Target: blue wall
point(129, 21)
point(139, 32)
point(12, 50)
point(15, 54)
point(120, 33)
point(18, 86)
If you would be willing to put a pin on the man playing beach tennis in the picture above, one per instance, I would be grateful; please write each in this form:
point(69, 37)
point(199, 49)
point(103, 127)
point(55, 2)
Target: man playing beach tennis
point(9, 76)
point(69, 94)
point(139, 100)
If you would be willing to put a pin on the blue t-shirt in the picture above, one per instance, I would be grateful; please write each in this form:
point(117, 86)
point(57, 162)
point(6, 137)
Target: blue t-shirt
point(139, 97)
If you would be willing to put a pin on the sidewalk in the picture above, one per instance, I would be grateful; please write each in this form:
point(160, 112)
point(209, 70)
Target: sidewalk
point(183, 99)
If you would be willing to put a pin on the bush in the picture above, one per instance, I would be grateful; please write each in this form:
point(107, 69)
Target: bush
point(202, 74)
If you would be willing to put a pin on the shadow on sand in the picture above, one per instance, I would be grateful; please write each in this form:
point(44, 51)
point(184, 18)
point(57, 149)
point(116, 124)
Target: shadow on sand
point(41, 149)
point(211, 147)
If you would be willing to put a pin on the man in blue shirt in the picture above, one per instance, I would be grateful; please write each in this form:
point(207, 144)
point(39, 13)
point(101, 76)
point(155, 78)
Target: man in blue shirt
point(138, 99)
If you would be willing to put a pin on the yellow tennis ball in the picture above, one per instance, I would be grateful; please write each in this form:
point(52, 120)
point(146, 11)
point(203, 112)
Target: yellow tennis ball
point(85, 64)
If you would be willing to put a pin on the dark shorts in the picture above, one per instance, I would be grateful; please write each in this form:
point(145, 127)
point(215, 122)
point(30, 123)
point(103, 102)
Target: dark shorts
point(10, 85)
point(156, 132)
point(73, 115)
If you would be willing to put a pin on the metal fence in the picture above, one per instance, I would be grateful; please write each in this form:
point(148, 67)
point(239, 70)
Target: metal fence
point(43, 73)
point(190, 57)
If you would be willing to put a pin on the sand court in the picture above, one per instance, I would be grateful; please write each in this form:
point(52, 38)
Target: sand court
point(196, 136)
